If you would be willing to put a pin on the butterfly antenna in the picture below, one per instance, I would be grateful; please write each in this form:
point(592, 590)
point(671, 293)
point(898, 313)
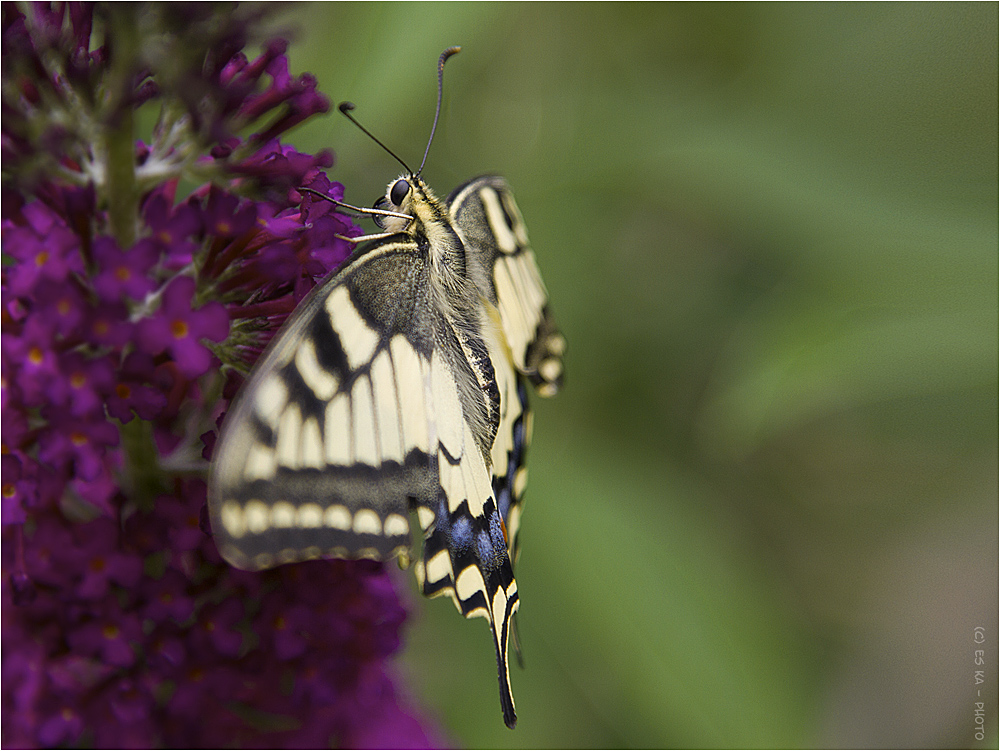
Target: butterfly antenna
point(345, 109)
point(437, 112)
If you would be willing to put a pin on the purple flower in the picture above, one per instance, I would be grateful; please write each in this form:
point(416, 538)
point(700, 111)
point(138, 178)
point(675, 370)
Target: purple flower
point(287, 625)
point(281, 165)
point(61, 727)
point(37, 361)
point(219, 627)
point(100, 491)
point(99, 561)
point(13, 491)
point(63, 305)
point(43, 248)
point(169, 599)
point(224, 216)
point(78, 445)
point(108, 637)
point(133, 392)
point(108, 325)
point(124, 274)
point(172, 226)
point(179, 328)
point(83, 385)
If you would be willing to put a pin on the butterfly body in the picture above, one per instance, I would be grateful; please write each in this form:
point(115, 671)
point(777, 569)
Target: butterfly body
point(396, 393)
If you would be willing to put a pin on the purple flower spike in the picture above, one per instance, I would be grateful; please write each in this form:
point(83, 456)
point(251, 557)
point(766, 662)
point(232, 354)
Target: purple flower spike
point(122, 625)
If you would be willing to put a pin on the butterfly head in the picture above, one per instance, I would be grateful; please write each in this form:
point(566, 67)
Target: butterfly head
point(410, 196)
point(398, 198)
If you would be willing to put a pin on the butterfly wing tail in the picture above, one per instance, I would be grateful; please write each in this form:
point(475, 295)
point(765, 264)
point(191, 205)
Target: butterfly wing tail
point(501, 633)
point(466, 559)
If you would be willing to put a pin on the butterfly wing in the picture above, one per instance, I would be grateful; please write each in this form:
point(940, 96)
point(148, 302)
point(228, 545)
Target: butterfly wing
point(486, 216)
point(329, 444)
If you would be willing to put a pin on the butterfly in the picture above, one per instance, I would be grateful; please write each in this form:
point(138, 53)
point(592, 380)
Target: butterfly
point(393, 405)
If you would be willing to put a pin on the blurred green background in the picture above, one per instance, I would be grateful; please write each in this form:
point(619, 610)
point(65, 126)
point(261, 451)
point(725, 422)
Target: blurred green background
point(763, 512)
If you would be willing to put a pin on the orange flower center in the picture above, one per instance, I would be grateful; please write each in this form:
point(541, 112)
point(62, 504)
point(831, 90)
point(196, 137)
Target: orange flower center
point(179, 329)
point(35, 356)
point(123, 273)
point(78, 380)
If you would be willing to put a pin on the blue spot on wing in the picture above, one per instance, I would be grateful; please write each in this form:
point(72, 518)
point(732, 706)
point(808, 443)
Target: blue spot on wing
point(484, 548)
point(461, 533)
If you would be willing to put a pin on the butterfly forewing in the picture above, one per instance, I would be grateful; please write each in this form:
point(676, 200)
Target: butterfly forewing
point(328, 445)
point(398, 385)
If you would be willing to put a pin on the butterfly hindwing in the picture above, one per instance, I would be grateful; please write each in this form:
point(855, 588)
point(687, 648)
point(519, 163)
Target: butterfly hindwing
point(486, 216)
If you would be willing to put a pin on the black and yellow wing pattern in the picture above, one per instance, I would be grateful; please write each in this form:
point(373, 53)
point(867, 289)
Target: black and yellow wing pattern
point(395, 395)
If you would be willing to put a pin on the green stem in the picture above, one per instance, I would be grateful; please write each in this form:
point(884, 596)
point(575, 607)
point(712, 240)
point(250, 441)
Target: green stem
point(143, 480)
point(122, 193)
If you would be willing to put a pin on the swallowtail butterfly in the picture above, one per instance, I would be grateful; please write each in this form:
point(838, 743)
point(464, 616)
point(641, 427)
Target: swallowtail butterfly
point(395, 395)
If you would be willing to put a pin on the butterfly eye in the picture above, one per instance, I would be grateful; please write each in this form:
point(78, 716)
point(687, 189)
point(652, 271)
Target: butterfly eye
point(398, 192)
